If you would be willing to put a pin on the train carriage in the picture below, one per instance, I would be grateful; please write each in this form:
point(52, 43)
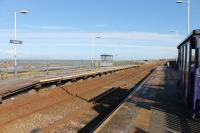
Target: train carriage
point(189, 71)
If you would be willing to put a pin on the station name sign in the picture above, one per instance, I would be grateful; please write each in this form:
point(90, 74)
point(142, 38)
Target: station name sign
point(16, 42)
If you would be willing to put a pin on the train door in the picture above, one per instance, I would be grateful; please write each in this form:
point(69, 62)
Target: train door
point(192, 76)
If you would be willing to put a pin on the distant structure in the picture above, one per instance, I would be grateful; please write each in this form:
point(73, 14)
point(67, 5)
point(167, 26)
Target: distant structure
point(106, 60)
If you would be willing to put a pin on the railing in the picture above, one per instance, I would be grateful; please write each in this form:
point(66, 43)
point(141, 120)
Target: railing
point(49, 67)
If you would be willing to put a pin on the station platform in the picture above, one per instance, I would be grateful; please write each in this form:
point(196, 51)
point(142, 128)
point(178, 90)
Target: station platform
point(13, 86)
point(156, 107)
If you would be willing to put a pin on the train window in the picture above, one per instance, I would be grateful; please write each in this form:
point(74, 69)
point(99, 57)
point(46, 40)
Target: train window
point(188, 57)
point(182, 64)
point(193, 56)
point(180, 58)
point(198, 43)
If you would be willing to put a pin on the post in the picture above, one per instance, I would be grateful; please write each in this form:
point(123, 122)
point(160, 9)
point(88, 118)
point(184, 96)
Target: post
point(15, 26)
point(92, 60)
point(188, 23)
point(116, 60)
point(47, 71)
point(15, 47)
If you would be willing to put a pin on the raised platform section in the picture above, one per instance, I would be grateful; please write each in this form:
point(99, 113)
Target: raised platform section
point(154, 107)
point(11, 87)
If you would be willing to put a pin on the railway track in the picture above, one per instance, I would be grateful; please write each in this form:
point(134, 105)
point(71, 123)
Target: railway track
point(76, 107)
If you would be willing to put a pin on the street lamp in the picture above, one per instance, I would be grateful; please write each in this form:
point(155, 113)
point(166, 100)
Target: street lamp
point(92, 61)
point(15, 37)
point(188, 18)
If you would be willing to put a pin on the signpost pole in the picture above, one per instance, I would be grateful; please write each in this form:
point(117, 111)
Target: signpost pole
point(15, 47)
point(15, 42)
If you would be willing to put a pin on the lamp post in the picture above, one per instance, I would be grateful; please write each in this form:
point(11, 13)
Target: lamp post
point(15, 37)
point(188, 14)
point(92, 61)
point(116, 59)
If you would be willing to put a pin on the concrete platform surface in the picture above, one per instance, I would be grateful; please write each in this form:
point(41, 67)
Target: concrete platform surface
point(157, 107)
point(12, 85)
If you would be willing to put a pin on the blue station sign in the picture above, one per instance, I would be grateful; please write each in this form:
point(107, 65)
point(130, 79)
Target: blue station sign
point(16, 42)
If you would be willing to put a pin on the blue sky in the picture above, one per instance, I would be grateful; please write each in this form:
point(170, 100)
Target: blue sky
point(66, 29)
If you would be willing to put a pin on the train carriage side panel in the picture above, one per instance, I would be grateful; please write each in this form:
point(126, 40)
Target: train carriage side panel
point(196, 99)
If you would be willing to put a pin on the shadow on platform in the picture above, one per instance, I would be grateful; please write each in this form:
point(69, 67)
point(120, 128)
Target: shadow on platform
point(166, 99)
point(104, 104)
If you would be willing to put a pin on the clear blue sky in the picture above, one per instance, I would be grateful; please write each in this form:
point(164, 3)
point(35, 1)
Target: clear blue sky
point(66, 29)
